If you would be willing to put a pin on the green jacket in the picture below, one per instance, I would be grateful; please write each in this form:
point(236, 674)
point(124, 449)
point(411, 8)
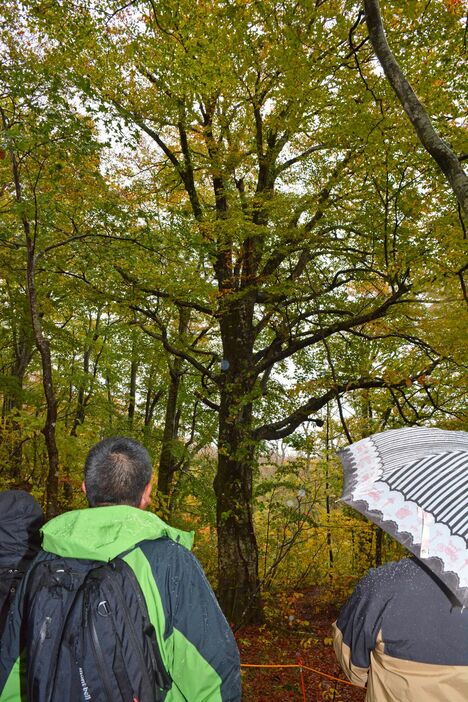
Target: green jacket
point(195, 641)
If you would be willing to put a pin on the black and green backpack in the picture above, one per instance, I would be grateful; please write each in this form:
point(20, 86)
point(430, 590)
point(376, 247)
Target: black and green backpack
point(88, 635)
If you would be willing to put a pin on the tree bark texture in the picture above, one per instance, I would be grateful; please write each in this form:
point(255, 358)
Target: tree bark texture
point(238, 581)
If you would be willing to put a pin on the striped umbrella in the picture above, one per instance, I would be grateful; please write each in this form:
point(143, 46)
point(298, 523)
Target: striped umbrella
point(413, 483)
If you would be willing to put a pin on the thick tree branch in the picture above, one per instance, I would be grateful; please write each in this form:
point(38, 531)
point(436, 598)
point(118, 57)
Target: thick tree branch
point(79, 237)
point(272, 357)
point(285, 427)
point(206, 401)
point(188, 174)
point(440, 151)
point(300, 157)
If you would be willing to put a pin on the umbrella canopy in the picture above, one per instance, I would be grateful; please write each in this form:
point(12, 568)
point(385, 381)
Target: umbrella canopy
point(413, 483)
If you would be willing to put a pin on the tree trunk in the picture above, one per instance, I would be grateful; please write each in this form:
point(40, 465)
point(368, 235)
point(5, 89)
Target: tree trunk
point(170, 459)
point(42, 345)
point(23, 344)
point(80, 412)
point(152, 399)
point(378, 546)
point(86, 384)
point(52, 480)
point(132, 391)
point(238, 580)
point(327, 499)
point(133, 382)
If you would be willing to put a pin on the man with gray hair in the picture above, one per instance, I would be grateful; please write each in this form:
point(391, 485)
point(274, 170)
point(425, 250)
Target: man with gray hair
point(193, 643)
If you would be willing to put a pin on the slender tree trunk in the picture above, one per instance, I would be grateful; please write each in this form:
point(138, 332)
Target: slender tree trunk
point(152, 399)
point(110, 401)
point(133, 382)
point(23, 345)
point(327, 500)
point(42, 345)
point(378, 546)
point(170, 459)
point(10, 432)
point(132, 391)
point(52, 481)
point(86, 384)
point(80, 412)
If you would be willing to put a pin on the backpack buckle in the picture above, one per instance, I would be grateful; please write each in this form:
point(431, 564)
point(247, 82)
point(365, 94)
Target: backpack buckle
point(103, 608)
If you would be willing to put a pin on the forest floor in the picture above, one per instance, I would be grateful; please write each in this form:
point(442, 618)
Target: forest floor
point(298, 628)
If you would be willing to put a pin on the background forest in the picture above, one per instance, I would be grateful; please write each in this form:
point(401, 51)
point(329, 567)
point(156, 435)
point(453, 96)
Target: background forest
point(220, 235)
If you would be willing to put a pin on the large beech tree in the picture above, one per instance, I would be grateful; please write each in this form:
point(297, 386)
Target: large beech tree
point(267, 148)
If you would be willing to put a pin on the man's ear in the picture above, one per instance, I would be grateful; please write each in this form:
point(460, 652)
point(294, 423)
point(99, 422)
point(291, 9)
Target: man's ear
point(146, 497)
point(83, 487)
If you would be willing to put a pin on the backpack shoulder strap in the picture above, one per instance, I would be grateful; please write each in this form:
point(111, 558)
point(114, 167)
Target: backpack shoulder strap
point(163, 679)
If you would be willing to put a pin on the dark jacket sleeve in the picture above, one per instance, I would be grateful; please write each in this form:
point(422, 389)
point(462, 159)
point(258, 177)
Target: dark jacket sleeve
point(357, 628)
point(10, 650)
point(21, 517)
point(13, 643)
point(206, 664)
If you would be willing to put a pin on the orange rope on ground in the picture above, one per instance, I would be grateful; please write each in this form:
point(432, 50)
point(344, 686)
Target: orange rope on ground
point(301, 673)
point(296, 665)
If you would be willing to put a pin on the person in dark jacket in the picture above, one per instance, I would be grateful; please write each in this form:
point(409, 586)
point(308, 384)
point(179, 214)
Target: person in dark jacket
point(194, 639)
point(404, 636)
point(21, 517)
